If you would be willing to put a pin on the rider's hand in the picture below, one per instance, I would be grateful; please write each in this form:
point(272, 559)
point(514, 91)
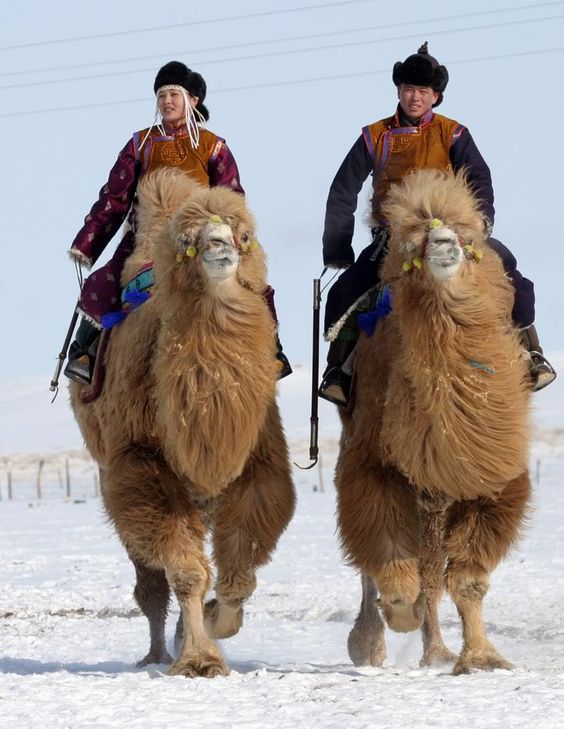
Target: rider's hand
point(80, 258)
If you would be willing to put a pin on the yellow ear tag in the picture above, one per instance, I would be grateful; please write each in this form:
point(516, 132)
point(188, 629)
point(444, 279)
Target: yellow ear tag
point(418, 262)
point(191, 251)
point(215, 219)
point(476, 255)
point(435, 223)
point(178, 257)
point(407, 265)
point(254, 244)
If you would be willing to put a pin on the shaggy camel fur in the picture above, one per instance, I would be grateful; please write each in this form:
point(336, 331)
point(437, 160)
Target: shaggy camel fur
point(187, 432)
point(432, 474)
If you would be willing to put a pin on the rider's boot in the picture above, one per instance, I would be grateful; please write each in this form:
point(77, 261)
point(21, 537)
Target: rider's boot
point(336, 382)
point(82, 353)
point(541, 372)
point(283, 361)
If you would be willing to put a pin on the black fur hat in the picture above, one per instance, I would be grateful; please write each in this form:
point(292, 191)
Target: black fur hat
point(421, 69)
point(177, 74)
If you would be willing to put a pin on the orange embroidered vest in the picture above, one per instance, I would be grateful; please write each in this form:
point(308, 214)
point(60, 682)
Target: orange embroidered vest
point(397, 150)
point(169, 151)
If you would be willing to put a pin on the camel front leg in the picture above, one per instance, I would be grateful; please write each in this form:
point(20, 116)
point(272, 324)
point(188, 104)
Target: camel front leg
point(248, 521)
point(380, 530)
point(152, 594)
point(366, 643)
point(479, 534)
point(163, 528)
point(433, 563)
point(468, 591)
point(198, 656)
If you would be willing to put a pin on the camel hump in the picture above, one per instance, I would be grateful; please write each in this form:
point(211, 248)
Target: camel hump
point(162, 192)
point(426, 194)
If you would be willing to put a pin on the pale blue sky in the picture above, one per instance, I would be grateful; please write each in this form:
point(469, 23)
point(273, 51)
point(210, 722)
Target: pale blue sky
point(289, 112)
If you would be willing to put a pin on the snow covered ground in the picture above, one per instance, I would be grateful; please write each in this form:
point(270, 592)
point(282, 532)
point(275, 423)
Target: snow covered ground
point(70, 631)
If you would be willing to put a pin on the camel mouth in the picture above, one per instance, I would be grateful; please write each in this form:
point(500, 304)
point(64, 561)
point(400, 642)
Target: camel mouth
point(223, 256)
point(444, 254)
point(220, 263)
point(443, 260)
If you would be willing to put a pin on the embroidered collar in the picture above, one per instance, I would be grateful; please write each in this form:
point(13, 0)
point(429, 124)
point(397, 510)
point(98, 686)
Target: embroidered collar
point(172, 131)
point(400, 119)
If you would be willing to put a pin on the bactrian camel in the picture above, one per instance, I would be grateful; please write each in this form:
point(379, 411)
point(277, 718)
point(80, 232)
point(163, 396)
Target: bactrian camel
point(432, 475)
point(186, 431)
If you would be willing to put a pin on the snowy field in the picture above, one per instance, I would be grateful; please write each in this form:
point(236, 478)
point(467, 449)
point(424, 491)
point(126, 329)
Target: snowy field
point(71, 632)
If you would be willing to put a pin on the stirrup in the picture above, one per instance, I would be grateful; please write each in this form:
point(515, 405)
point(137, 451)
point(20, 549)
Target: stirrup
point(335, 387)
point(79, 370)
point(542, 372)
point(284, 364)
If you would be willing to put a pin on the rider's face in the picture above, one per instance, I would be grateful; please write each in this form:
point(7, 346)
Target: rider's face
point(171, 105)
point(416, 101)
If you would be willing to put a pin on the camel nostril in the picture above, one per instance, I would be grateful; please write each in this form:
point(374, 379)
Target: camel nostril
point(445, 241)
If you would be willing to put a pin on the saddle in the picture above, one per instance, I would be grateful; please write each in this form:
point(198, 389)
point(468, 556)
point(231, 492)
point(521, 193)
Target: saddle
point(134, 293)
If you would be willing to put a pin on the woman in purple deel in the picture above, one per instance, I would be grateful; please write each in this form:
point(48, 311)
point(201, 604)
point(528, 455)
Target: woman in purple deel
point(176, 138)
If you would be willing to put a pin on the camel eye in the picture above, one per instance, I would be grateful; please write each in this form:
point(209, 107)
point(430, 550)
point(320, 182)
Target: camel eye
point(182, 242)
point(184, 247)
point(245, 238)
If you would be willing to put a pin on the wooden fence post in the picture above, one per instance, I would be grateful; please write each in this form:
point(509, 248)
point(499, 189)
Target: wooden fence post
point(67, 478)
point(10, 492)
point(39, 471)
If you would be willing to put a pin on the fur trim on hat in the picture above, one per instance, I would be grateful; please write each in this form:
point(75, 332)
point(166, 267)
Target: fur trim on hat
point(421, 69)
point(176, 73)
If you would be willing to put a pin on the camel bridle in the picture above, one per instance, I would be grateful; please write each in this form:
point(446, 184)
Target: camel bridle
point(244, 244)
point(468, 248)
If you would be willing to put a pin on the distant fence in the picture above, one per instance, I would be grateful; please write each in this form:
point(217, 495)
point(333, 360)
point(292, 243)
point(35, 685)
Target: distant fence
point(70, 475)
point(74, 475)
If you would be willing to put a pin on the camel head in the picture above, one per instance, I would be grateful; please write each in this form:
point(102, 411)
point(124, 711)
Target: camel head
point(216, 245)
point(435, 226)
point(200, 239)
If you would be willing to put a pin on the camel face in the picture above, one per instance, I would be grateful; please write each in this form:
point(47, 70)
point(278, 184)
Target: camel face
point(219, 254)
point(443, 253)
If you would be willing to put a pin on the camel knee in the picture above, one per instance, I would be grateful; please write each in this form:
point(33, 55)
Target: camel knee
point(467, 585)
point(399, 579)
point(401, 599)
point(236, 587)
point(189, 581)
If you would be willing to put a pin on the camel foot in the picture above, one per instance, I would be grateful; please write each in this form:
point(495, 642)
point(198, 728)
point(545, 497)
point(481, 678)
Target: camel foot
point(437, 656)
point(206, 664)
point(221, 619)
point(365, 649)
point(155, 657)
point(401, 616)
point(483, 660)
